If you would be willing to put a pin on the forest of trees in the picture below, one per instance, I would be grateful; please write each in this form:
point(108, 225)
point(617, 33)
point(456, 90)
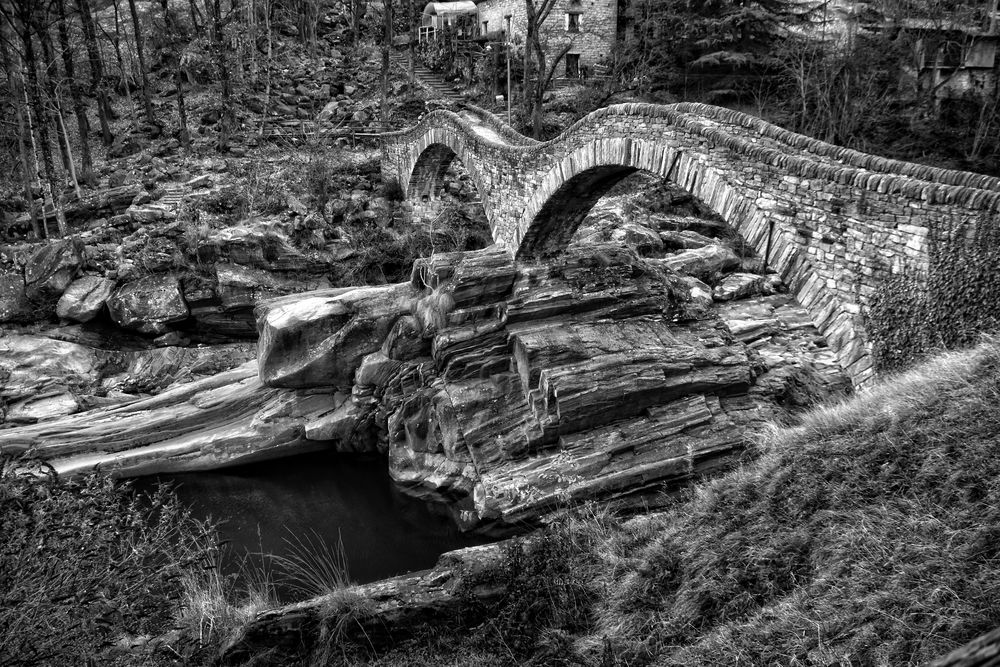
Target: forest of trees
point(842, 72)
point(68, 65)
point(66, 61)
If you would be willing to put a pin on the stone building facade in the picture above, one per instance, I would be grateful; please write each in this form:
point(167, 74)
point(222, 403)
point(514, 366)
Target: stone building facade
point(589, 26)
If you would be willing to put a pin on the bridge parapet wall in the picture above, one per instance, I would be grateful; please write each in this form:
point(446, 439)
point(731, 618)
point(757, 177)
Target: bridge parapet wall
point(835, 223)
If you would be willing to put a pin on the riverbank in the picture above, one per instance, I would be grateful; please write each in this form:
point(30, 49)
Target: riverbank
point(866, 534)
point(311, 503)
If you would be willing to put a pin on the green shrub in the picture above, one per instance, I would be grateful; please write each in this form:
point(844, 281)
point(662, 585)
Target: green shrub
point(958, 299)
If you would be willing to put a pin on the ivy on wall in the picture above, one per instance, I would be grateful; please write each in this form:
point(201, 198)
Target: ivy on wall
point(958, 299)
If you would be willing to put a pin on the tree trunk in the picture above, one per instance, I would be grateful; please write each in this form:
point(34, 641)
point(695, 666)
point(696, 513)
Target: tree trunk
point(531, 28)
point(16, 93)
point(227, 106)
point(267, 66)
point(69, 152)
point(355, 21)
point(97, 83)
point(79, 108)
point(49, 77)
point(41, 127)
point(195, 15)
point(146, 98)
point(184, 136)
point(386, 45)
point(116, 41)
point(412, 46)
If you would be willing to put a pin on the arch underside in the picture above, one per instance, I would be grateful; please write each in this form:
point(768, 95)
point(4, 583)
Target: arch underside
point(560, 216)
point(427, 176)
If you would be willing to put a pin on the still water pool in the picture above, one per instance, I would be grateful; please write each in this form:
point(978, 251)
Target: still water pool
point(265, 507)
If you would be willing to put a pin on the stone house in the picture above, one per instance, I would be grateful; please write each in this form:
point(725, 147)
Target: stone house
point(953, 58)
point(956, 63)
point(588, 26)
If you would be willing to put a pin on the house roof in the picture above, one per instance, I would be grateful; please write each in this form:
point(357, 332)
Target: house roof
point(445, 8)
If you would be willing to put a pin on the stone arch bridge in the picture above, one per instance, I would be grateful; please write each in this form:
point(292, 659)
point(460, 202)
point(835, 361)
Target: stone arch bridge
point(835, 223)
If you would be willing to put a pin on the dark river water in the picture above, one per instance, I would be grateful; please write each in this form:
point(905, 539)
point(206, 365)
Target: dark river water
point(267, 507)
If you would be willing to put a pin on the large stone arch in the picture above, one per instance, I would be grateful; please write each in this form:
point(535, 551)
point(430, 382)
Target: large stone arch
point(571, 187)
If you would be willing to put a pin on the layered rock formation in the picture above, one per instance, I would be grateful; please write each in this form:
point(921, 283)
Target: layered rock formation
point(633, 363)
point(507, 390)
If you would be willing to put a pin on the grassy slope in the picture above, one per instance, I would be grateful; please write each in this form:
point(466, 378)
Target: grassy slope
point(869, 534)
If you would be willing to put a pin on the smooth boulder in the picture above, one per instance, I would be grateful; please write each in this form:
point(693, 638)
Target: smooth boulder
point(319, 339)
point(84, 298)
point(149, 304)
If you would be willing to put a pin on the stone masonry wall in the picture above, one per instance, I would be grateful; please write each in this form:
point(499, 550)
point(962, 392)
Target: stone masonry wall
point(835, 223)
point(594, 41)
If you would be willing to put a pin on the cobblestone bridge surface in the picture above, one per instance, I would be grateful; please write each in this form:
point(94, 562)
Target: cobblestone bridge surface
point(835, 223)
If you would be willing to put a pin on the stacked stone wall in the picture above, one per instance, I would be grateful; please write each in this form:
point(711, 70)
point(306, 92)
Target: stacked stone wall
point(593, 42)
point(837, 224)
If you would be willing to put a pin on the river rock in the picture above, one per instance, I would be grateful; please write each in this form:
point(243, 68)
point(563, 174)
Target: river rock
point(684, 239)
point(84, 298)
point(699, 297)
point(319, 339)
point(702, 263)
point(49, 270)
point(40, 377)
point(453, 591)
point(42, 406)
point(149, 304)
point(637, 236)
point(738, 286)
point(244, 287)
point(14, 303)
point(218, 421)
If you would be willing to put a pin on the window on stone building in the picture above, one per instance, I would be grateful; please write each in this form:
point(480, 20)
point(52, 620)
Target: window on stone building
point(572, 22)
point(486, 28)
point(572, 65)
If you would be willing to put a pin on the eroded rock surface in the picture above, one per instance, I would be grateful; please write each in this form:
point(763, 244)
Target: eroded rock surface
point(507, 390)
point(635, 362)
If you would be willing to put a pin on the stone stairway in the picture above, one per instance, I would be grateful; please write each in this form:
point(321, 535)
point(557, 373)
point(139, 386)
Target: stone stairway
point(172, 197)
point(428, 79)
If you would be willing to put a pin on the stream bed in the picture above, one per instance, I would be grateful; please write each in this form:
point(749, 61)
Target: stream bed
point(265, 508)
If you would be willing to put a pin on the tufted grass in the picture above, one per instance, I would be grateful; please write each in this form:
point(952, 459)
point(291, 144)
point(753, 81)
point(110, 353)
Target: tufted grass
point(869, 534)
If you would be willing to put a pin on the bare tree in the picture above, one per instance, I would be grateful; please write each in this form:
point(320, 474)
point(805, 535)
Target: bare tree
point(79, 108)
point(538, 73)
point(31, 21)
point(175, 56)
point(221, 63)
point(386, 45)
point(147, 100)
point(16, 88)
point(267, 64)
point(97, 83)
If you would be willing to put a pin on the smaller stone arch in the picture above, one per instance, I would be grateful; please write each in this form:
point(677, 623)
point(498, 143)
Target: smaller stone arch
point(430, 157)
point(428, 173)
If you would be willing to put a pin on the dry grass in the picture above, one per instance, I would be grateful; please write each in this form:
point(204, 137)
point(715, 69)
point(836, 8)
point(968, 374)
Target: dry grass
point(867, 535)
